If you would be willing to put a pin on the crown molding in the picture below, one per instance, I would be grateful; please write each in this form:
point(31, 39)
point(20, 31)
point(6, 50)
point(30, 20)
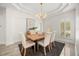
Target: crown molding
point(31, 12)
point(18, 7)
point(52, 11)
point(28, 9)
point(59, 11)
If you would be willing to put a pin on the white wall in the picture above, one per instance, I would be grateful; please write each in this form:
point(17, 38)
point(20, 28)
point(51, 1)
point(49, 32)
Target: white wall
point(54, 23)
point(12, 24)
point(39, 24)
point(2, 25)
point(15, 24)
point(77, 32)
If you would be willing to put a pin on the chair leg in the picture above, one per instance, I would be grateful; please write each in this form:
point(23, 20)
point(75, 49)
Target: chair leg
point(54, 44)
point(44, 51)
point(24, 51)
point(38, 47)
point(34, 49)
point(21, 49)
point(49, 47)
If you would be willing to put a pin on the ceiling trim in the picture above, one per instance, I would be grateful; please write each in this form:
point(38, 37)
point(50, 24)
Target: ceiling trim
point(66, 6)
point(60, 7)
point(60, 10)
point(28, 9)
point(31, 12)
point(55, 9)
point(23, 10)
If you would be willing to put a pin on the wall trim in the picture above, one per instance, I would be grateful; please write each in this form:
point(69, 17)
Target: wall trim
point(2, 42)
point(10, 43)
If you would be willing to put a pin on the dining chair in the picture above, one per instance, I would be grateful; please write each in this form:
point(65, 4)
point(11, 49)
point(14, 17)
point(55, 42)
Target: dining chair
point(26, 44)
point(44, 43)
point(53, 39)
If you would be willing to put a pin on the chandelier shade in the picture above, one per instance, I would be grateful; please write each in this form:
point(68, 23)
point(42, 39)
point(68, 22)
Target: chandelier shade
point(41, 15)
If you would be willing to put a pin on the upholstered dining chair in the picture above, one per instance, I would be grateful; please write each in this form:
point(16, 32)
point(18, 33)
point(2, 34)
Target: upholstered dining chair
point(26, 44)
point(44, 43)
point(53, 39)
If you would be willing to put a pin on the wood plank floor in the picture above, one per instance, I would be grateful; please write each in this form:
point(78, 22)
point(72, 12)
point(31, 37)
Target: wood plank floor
point(11, 50)
point(68, 50)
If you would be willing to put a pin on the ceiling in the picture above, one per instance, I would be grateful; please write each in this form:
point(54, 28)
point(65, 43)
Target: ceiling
point(34, 8)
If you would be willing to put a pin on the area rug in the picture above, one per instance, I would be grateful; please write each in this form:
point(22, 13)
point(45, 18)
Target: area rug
point(56, 50)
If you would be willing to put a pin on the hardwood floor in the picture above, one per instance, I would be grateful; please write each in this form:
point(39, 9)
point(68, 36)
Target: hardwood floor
point(68, 50)
point(13, 50)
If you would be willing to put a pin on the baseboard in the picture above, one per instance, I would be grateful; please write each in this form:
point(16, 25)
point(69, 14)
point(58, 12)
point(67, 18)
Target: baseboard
point(2, 42)
point(65, 41)
point(10, 43)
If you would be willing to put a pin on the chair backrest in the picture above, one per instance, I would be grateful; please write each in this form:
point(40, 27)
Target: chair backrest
point(53, 36)
point(23, 40)
point(47, 38)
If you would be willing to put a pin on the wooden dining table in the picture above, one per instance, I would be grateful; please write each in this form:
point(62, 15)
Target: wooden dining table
point(35, 37)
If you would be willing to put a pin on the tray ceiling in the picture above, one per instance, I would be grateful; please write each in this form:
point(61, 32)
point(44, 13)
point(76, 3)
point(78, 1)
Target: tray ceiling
point(34, 8)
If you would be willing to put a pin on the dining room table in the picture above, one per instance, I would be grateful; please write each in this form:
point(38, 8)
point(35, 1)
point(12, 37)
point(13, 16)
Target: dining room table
point(36, 37)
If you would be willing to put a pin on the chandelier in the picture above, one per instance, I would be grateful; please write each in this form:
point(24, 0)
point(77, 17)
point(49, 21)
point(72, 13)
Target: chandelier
point(41, 15)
